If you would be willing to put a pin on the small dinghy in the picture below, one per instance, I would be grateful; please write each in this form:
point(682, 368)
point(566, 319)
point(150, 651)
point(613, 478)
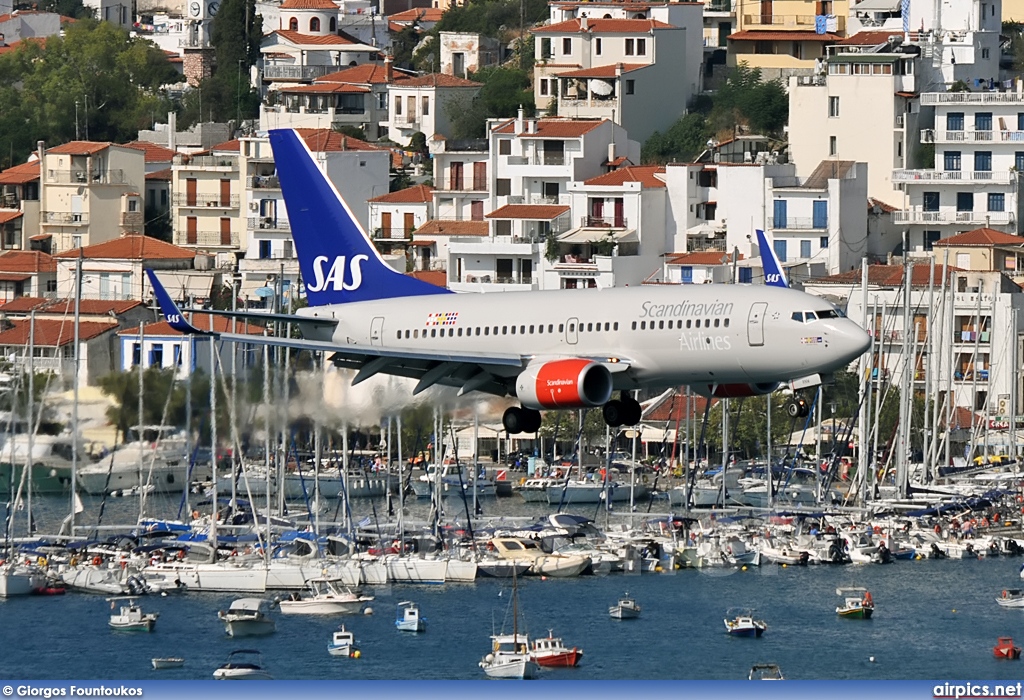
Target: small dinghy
point(626, 609)
point(168, 662)
point(242, 665)
point(743, 624)
point(1011, 598)
point(1005, 649)
point(130, 618)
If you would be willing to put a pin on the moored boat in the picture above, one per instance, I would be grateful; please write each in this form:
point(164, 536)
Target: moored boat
point(625, 609)
point(343, 643)
point(167, 662)
point(238, 668)
point(130, 617)
point(1011, 598)
point(247, 617)
point(744, 625)
point(857, 604)
point(551, 651)
point(324, 598)
point(765, 672)
point(1005, 649)
point(408, 618)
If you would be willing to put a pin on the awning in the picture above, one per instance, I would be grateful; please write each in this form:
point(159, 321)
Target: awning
point(877, 6)
point(594, 235)
point(705, 229)
point(14, 277)
point(531, 212)
point(6, 216)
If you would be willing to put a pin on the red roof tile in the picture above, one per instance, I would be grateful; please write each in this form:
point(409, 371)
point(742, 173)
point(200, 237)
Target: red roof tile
point(14, 276)
point(131, 248)
point(675, 408)
point(23, 305)
point(418, 14)
point(437, 227)
point(366, 74)
point(554, 128)
point(866, 38)
point(756, 35)
point(308, 5)
point(644, 174)
point(90, 307)
point(608, 71)
point(155, 153)
point(410, 195)
point(8, 215)
point(984, 237)
point(531, 212)
point(27, 261)
point(80, 148)
point(439, 80)
point(203, 322)
point(435, 277)
point(164, 174)
point(886, 208)
point(704, 257)
point(232, 145)
point(313, 40)
point(325, 88)
point(605, 26)
point(888, 276)
point(322, 140)
point(53, 332)
point(20, 174)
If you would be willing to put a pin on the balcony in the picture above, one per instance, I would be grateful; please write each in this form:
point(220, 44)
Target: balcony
point(212, 201)
point(63, 218)
point(1002, 177)
point(263, 182)
point(271, 265)
point(799, 223)
point(603, 221)
point(517, 160)
point(207, 239)
point(81, 177)
point(462, 186)
point(776, 22)
point(267, 223)
point(393, 233)
point(919, 216)
point(970, 337)
point(296, 72)
point(405, 121)
point(212, 163)
point(978, 98)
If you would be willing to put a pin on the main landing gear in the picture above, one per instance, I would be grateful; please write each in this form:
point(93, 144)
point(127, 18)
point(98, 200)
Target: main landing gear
point(521, 420)
point(624, 411)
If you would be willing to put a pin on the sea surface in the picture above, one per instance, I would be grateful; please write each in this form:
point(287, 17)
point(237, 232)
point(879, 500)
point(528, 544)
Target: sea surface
point(933, 620)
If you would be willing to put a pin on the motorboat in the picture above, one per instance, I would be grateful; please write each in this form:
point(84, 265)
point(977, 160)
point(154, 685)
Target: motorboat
point(248, 617)
point(491, 567)
point(156, 457)
point(541, 563)
point(1011, 598)
point(242, 665)
point(130, 617)
point(551, 651)
point(577, 492)
point(625, 609)
point(168, 662)
point(408, 618)
point(51, 458)
point(343, 643)
point(1005, 649)
point(857, 603)
point(536, 490)
point(325, 597)
point(765, 672)
point(744, 625)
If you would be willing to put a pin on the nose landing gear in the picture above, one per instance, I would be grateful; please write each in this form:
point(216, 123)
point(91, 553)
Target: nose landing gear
point(798, 407)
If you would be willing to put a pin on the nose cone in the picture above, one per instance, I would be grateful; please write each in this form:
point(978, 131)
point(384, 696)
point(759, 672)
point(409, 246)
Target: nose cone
point(851, 340)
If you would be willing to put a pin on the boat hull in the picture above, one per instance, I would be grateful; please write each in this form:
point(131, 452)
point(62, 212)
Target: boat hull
point(249, 628)
point(140, 626)
point(521, 668)
point(46, 479)
point(320, 607)
point(171, 662)
point(564, 659)
point(856, 614)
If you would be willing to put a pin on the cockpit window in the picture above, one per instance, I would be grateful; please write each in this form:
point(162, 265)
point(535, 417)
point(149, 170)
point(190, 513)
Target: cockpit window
point(809, 316)
point(798, 316)
point(830, 313)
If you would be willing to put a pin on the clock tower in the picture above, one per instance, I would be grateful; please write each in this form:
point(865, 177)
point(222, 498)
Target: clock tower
point(198, 54)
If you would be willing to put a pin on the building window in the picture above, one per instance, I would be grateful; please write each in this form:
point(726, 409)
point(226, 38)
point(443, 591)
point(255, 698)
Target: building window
point(965, 201)
point(334, 24)
point(543, 86)
point(983, 121)
point(686, 274)
point(983, 161)
point(996, 201)
point(984, 53)
point(641, 47)
point(833, 146)
point(1018, 161)
point(597, 46)
point(930, 201)
point(833, 106)
point(955, 121)
point(823, 242)
point(503, 187)
point(504, 147)
point(293, 24)
point(314, 24)
point(746, 277)
point(265, 248)
point(566, 46)
point(398, 105)
point(630, 87)
point(951, 161)
point(425, 111)
point(819, 211)
point(780, 249)
point(929, 239)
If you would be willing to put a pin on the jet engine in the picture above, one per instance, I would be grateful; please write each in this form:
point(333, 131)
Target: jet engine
point(572, 383)
point(735, 391)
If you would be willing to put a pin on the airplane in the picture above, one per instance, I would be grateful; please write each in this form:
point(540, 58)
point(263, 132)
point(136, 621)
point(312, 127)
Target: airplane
point(560, 349)
point(774, 275)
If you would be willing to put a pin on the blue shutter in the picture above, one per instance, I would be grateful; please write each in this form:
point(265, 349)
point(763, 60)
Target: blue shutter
point(780, 214)
point(820, 213)
point(780, 250)
point(805, 249)
point(746, 275)
point(687, 274)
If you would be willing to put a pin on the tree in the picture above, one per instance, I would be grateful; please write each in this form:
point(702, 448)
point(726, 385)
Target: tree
point(682, 142)
point(747, 99)
point(236, 33)
point(403, 44)
point(504, 91)
point(66, 8)
point(492, 18)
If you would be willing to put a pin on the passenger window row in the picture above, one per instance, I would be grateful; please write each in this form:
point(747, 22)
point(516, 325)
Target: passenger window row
point(678, 323)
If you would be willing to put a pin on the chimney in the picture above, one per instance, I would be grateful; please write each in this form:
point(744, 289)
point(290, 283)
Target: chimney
point(583, 23)
point(611, 152)
point(172, 130)
point(389, 68)
point(531, 125)
point(519, 121)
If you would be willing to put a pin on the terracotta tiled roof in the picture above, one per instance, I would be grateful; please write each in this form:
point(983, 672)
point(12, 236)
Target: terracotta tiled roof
point(322, 140)
point(164, 174)
point(608, 71)
point(866, 38)
point(22, 305)
point(676, 408)
point(439, 80)
point(89, 307)
point(436, 227)
point(604, 26)
point(52, 332)
point(313, 40)
point(80, 148)
point(27, 261)
point(888, 276)
point(644, 174)
point(704, 257)
point(887, 208)
point(308, 5)
point(366, 74)
point(203, 322)
point(232, 145)
point(9, 215)
point(755, 35)
point(418, 14)
point(155, 153)
point(325, 88)
point(435, 277)
point(20, 174)
point(983, 237)
point(410, 195)
point(554, 128)
point(531, 212)
point(131, 248)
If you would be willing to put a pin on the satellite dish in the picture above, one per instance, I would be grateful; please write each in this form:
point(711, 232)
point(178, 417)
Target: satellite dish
point(601, 87)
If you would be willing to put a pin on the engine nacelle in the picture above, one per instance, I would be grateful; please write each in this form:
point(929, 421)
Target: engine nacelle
point(572, 383)
point(735, 391)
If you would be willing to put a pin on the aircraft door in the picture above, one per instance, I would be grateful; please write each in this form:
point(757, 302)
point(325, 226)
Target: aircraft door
point(571, 331)
point(376, 330)
point(755, 323)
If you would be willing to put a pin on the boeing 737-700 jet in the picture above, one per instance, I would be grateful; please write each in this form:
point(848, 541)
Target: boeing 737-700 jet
point(549, 349)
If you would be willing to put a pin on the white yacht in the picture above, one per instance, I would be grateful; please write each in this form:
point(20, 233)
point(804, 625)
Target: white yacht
point(51, 461)
point(159, 459)
point(248, 617)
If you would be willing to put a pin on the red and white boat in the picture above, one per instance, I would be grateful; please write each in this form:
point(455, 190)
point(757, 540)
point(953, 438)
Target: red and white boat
point(1005, 649)
point(550, 651)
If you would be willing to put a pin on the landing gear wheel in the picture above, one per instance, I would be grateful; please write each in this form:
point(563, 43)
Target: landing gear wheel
point(632, 411)
point(513, 420)
point(615, 413)
point(531, 420)
point(798, 408)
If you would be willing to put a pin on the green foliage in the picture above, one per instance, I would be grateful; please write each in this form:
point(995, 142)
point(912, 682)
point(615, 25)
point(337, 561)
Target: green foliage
point(682, 142)
point(926, 156)
point(565, 425)
point(224, 96)
point(504, 91)
point(403, 44)
point(65, 8)
point(746, 98)
point(235, 34)
point(355, 132)
point(551, 248)
point(493, 18)
point(158, 385)
point(960, 86)
point(418, 142)
point(113, 78)
point(400, 181)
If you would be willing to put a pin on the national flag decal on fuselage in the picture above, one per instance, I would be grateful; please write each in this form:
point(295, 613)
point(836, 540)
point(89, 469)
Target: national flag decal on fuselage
point(443, 319)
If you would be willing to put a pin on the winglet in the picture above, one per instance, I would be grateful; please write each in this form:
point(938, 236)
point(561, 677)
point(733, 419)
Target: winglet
point(172, 314)
point(773, 273)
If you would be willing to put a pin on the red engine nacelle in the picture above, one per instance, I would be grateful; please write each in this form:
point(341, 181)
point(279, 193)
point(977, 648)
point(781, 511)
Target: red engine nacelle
point(735, 391)
point(570, 383)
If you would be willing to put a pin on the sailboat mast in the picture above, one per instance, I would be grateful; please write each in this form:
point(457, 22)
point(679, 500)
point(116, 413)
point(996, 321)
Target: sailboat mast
point(213, 444)
point(266, 438)
point(74, 389)
point(138, 436)
point(31, 416)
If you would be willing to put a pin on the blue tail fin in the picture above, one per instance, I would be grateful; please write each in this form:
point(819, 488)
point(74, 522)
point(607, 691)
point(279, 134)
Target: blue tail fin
point(773, 273)
point(339, 263)
point(172, 314)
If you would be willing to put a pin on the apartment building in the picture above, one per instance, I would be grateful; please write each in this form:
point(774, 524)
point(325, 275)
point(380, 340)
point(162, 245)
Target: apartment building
point(206, 202)
point(978, 139)
point(427, 104)
point(396, 215)
point(463, 53)
point(981, 250)
point(959, 41)
point(27, 273)
point(462, 177)
point(19, 206)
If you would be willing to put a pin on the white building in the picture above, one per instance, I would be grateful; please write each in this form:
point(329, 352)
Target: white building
point(959, 41)
point(426, 104)
point(979, 154)
point(158, 345)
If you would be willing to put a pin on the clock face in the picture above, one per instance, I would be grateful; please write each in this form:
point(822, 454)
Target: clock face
point(195, 9)
point(212, 8)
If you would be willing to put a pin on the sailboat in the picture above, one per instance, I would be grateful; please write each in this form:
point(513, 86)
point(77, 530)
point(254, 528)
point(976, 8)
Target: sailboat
point(510, 655)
